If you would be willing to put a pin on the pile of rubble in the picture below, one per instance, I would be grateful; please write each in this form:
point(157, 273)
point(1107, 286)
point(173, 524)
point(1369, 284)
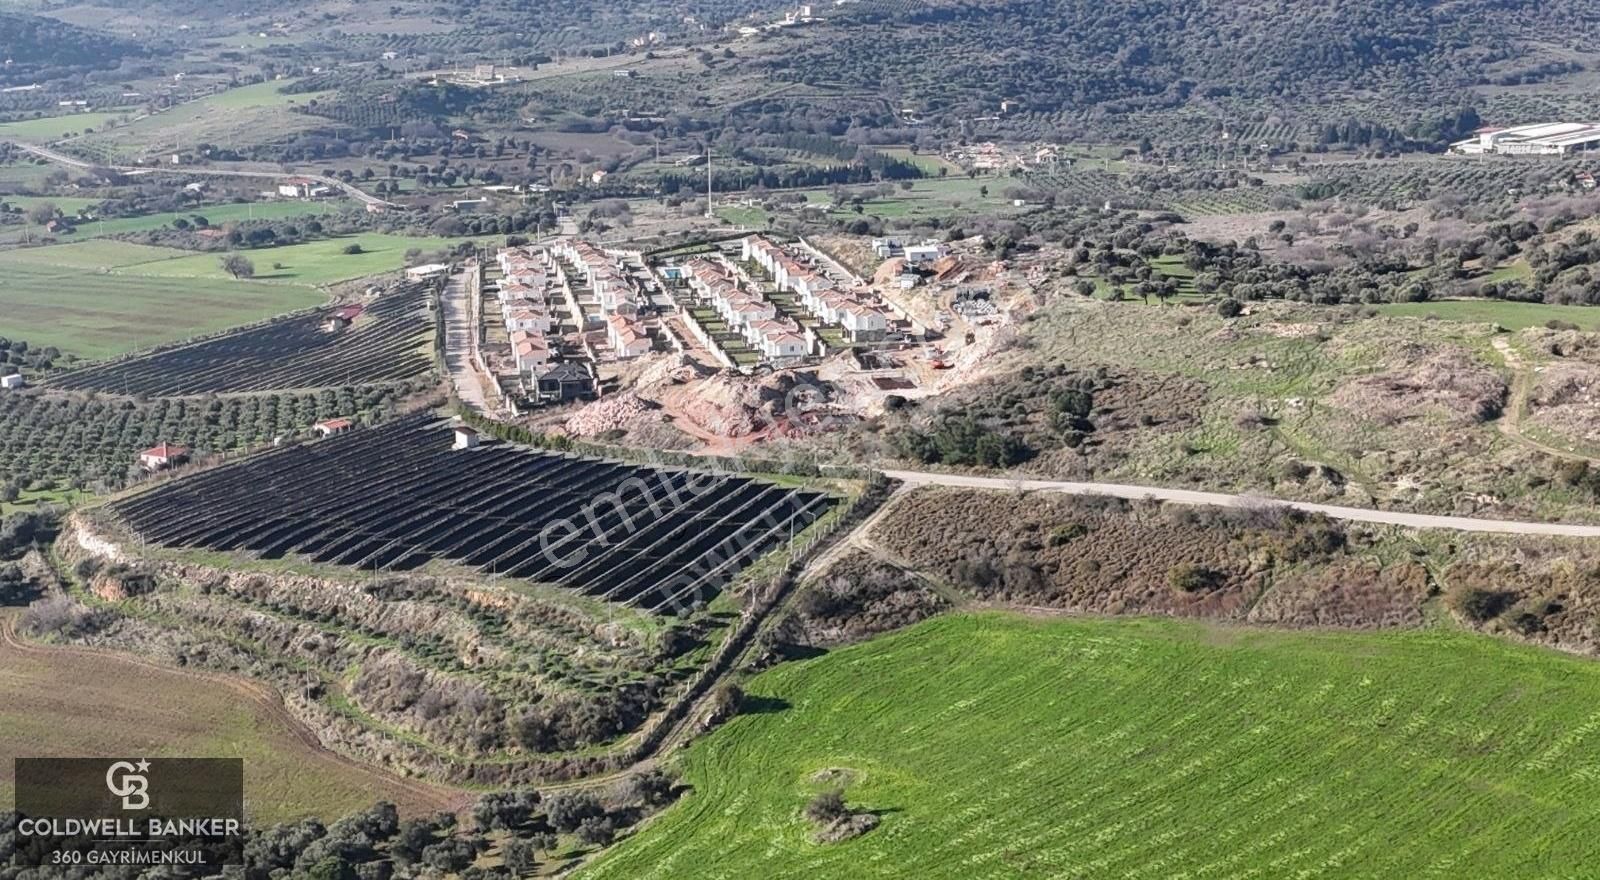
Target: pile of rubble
point(618, 412)
point(731, 405)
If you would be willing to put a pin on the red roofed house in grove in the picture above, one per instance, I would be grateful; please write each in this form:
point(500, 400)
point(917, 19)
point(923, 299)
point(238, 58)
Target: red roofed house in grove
point(329, 427)
point(163, 456)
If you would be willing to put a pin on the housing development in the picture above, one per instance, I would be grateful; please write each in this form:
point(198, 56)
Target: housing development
point(1017, 439)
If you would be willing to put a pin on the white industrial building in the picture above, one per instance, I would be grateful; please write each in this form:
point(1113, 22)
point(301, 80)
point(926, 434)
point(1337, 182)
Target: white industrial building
point(1541, 139)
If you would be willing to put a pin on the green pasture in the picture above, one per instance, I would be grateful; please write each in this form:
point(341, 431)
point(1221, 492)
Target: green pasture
point(53, 128)
point(316, 262)
point(996, 747)
point(96, 299)
point(216, 215)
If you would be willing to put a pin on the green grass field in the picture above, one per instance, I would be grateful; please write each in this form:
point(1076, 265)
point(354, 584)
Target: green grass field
point(998, 747)
point(51, 128)
point(1510, 315)
point(317, 262)
point(245, 115)
point(95, 298)
point(215, 214)
point(68, 206)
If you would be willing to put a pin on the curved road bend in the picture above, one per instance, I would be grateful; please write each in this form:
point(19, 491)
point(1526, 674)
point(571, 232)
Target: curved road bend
point(72, 162)
point(1218, 499)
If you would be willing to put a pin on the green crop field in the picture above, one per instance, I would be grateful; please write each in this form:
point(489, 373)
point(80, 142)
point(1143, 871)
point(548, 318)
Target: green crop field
point(1510, 315)
point(216, 215)
point(316, 262)
point(999, 747)
point(51, 128)
point(95, 299)
point(69, 206)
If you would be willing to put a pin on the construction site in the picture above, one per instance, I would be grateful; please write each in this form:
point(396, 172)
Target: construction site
point(722, 344)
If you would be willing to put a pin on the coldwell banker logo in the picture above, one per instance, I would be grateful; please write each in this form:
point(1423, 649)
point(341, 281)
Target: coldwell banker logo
point(127, 781)
point(177, 812)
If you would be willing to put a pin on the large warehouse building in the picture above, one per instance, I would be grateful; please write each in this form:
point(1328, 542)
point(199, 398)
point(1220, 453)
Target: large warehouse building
point(1541, 139)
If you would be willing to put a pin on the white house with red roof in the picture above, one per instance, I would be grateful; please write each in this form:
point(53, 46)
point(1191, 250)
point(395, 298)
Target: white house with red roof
point(627, 338)
point(329, 427)
point(163, 456)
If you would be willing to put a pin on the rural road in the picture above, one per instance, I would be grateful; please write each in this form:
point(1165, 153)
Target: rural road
point(63, 159)
point(1218, 499)
point(461, 342)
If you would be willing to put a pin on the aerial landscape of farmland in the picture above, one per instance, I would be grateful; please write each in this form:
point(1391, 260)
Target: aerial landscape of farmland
point(1006, 439)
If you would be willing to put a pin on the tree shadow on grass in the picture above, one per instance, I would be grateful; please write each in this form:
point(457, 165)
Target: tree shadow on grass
point(754, 704)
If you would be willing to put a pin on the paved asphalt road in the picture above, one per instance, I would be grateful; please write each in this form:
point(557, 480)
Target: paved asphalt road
point(1217, 499)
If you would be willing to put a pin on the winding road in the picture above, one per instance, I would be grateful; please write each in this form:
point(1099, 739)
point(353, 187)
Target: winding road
point(1218, 499)
point(72, 162)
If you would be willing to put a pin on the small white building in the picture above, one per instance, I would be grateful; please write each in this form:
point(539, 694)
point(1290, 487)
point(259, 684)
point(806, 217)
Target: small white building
point(466, 437)
point(925, 254)
point(12, 381)
point(427, 270)
point(329, 427)
point(164, 456)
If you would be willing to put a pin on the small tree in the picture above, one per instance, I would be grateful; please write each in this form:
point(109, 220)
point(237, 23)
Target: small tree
point(353, 249)
point(43, 213)
point(239, 266)
point(827, 807)
point(519, 857)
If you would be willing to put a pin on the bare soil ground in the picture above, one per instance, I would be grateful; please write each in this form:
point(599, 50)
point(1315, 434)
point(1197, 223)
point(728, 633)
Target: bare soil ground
point(66, 701)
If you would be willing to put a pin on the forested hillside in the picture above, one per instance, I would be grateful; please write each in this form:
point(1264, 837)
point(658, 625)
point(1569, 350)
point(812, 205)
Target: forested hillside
point(1404, 63)
point(36, 48)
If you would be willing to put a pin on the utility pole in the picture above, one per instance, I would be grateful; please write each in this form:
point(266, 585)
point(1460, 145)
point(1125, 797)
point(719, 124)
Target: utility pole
point(709, 212)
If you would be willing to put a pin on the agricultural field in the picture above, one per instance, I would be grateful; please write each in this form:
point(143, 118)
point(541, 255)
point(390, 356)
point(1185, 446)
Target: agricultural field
point(94, 299)
point(927, 198)
point(61, 701)
point(216, 215)
point(1483, 180)
point(392, 499)
point(53, 128)
point(991, 746)
point(252, 114)
point(51, 442)
point(389, 341)
point(25, 174)
point(315, 262)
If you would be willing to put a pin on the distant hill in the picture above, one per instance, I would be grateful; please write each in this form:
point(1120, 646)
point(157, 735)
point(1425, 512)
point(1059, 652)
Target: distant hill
point(34, 48)
point(1396, 62)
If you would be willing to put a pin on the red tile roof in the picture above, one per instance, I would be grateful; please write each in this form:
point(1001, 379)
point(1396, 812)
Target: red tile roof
point(165, 450)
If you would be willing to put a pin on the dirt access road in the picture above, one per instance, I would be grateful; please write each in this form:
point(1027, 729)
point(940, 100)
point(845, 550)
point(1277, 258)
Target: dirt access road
point(63, 159)
point(1218, 499)
point(461, 342)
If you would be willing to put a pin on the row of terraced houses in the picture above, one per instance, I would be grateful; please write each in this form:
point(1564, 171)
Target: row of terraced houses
point(753, 316)
point(613, 290)
point(819, 294)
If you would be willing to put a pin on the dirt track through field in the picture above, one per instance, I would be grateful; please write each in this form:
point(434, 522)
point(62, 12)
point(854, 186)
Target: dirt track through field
point(1218, 499)
point(1517, 407)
